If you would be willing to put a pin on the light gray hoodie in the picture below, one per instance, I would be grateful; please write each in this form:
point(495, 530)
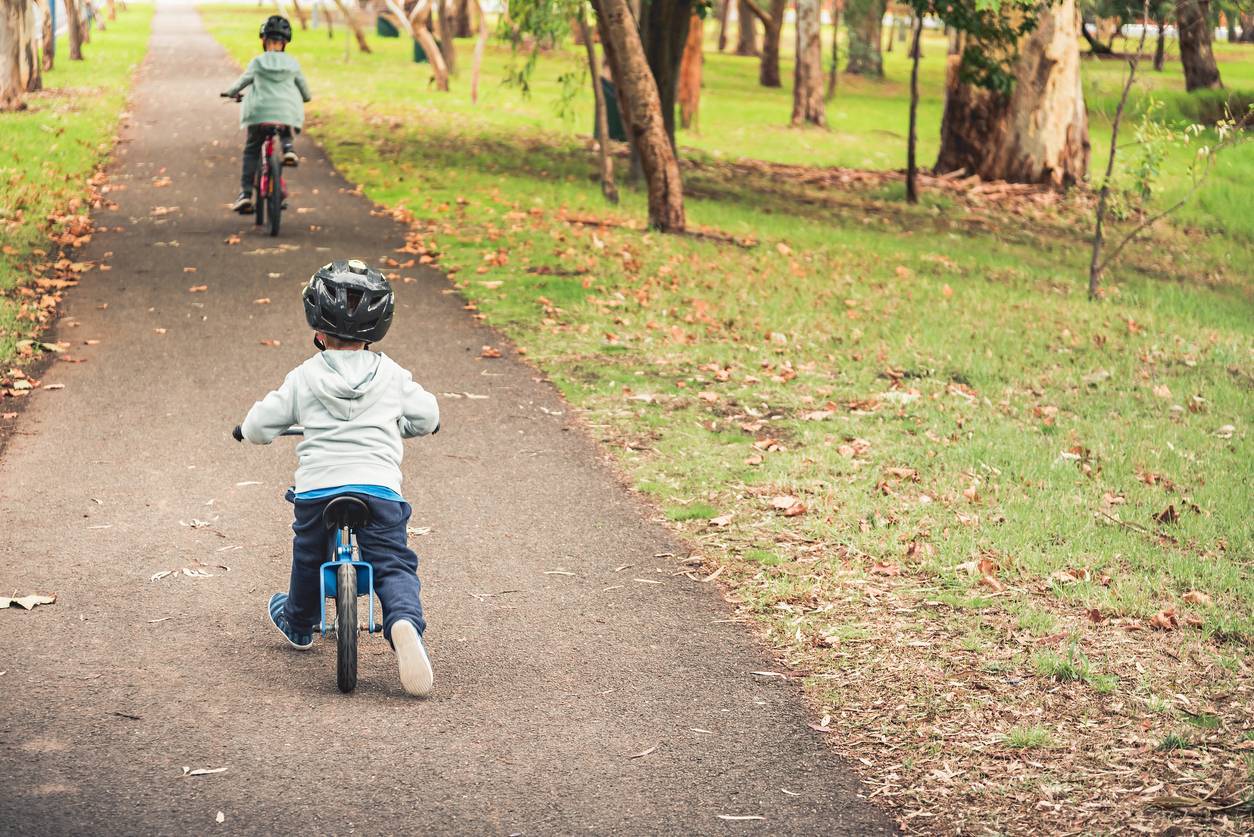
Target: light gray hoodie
point(355, 407)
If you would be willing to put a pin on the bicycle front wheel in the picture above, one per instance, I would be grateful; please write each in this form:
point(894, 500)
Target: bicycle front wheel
point(275, 197)
point(346, 627)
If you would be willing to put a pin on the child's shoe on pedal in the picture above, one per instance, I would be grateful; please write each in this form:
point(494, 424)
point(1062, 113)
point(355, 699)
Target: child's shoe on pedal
point(244, 203)
point(289, 156)
point(411, 657)
point(298, 639)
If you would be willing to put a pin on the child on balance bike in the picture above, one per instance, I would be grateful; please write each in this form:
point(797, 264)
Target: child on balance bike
point(355, 406)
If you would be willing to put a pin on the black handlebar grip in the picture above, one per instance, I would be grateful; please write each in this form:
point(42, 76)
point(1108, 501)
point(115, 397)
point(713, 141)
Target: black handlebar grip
point(238, 433)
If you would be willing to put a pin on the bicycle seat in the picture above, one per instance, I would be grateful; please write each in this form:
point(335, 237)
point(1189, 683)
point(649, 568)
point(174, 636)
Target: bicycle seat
point(346, 510)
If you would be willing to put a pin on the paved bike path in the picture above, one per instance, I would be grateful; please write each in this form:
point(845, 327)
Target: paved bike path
point(572, 695)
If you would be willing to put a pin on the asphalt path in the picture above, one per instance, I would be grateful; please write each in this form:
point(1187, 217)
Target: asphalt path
point(583, 683)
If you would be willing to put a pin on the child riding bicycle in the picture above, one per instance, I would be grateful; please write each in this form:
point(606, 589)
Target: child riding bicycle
point(355, 406)
point(278, 96)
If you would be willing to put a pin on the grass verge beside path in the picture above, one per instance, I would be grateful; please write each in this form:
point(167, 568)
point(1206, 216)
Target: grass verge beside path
point(48, 158)
point(1000, 533)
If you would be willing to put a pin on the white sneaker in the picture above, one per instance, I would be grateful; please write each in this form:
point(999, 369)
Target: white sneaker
point(416, 675)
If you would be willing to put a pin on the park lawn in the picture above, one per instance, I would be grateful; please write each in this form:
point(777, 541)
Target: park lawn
point(50, 152)
point(1000, 533)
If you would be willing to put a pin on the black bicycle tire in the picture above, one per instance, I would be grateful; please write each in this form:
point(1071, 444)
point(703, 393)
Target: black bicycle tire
point(346, 627)
point(276, 190)
point(259, 200)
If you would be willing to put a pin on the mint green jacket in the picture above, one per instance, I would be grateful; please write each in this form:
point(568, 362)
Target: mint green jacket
point(278, 93)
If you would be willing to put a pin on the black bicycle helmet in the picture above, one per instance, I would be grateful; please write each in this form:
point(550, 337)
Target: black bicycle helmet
point(350, 301)
point(277, 28)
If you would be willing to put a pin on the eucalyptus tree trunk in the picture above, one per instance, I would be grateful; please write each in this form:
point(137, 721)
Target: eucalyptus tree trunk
point(1196, 55)
point(444, 25)
point(642, 113)
point(301, 17)
point(74, 29)
point(1160, 47)
point(420, 32)
point(746, 31)
point(19, 61)
point(608, 187)
point(48, 35)
point(1036, 134)
point(481, 41)
point(351, 21)
point(864, 20)
point(462, 24)
point(773, 26)
point(690, 74)
point(723, 14)
point(807, 89)
point(663, 26)
point(833, 71)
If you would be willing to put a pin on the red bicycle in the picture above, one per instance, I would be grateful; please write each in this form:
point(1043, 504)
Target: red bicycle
point(269, 187)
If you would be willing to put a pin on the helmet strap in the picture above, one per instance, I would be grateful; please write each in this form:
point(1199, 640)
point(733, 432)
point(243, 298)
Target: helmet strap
point(322, 347)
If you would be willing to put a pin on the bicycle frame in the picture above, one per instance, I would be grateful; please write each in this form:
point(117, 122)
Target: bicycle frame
point(345, 552)
point(267, 149)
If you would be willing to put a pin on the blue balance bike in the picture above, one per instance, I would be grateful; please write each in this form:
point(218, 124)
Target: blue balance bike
point(344, 578)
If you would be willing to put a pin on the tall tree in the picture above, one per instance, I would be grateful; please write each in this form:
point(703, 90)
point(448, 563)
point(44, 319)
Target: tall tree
point(74, 28)
point(1027, 124)
point(912, 134)
point(461, 19)
point(690, 73)
point(773, 28)
point(724, 13)
point(664, 31)
point(417, 21)
point(444, 25)
point(608, 188)
point(807, 91)
point(350, 20)
point(833, 69)
point(1196, 56)
point(746, 32)
point(864, 21)
point(642, 113)
point(49, 35)
point(19, 61)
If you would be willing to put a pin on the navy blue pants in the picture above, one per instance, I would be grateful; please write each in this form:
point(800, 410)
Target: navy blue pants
point(382, 544)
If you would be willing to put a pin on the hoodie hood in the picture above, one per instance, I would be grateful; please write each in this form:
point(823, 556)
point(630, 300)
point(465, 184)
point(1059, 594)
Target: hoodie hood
point(345, 382)
point(277, 66)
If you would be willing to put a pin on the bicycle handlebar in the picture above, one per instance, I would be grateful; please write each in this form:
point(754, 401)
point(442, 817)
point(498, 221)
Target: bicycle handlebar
point(238, 433)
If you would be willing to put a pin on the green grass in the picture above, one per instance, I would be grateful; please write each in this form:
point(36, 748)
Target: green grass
point(1012, 367)
point(930, 381)
point(1029, 738)
point(51, 149)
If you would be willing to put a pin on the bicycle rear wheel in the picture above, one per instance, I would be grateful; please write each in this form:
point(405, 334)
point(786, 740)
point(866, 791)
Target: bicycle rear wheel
point(346, 627)
point(259, 200)
point(276, 188)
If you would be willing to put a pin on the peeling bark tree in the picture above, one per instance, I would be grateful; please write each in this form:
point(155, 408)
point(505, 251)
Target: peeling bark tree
point(912, 135)
point(864, 21)
point(48, 36)
point(1196, 56)
point(642, 113)
point(773, 26)
point(690, 74)
point(444, 25)
point(74, 28)
point(462, 27)
point(416, 21)
point(833, 70)
point(723, 14)
point(350, 19)
point(664, 31)
point(19, 61)
point(807, 89)
point(608, 188)
point(477, 61)
point(1039, 132)
point(301, 17)
point(746, 31)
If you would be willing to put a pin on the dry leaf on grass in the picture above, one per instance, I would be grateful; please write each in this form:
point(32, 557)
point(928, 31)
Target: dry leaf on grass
point(1197, 597)
point(885, 569)
point(1165, 620)
point(789, 505)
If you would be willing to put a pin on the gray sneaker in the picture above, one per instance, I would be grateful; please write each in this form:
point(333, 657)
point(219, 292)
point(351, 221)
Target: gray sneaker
point(244, 203)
